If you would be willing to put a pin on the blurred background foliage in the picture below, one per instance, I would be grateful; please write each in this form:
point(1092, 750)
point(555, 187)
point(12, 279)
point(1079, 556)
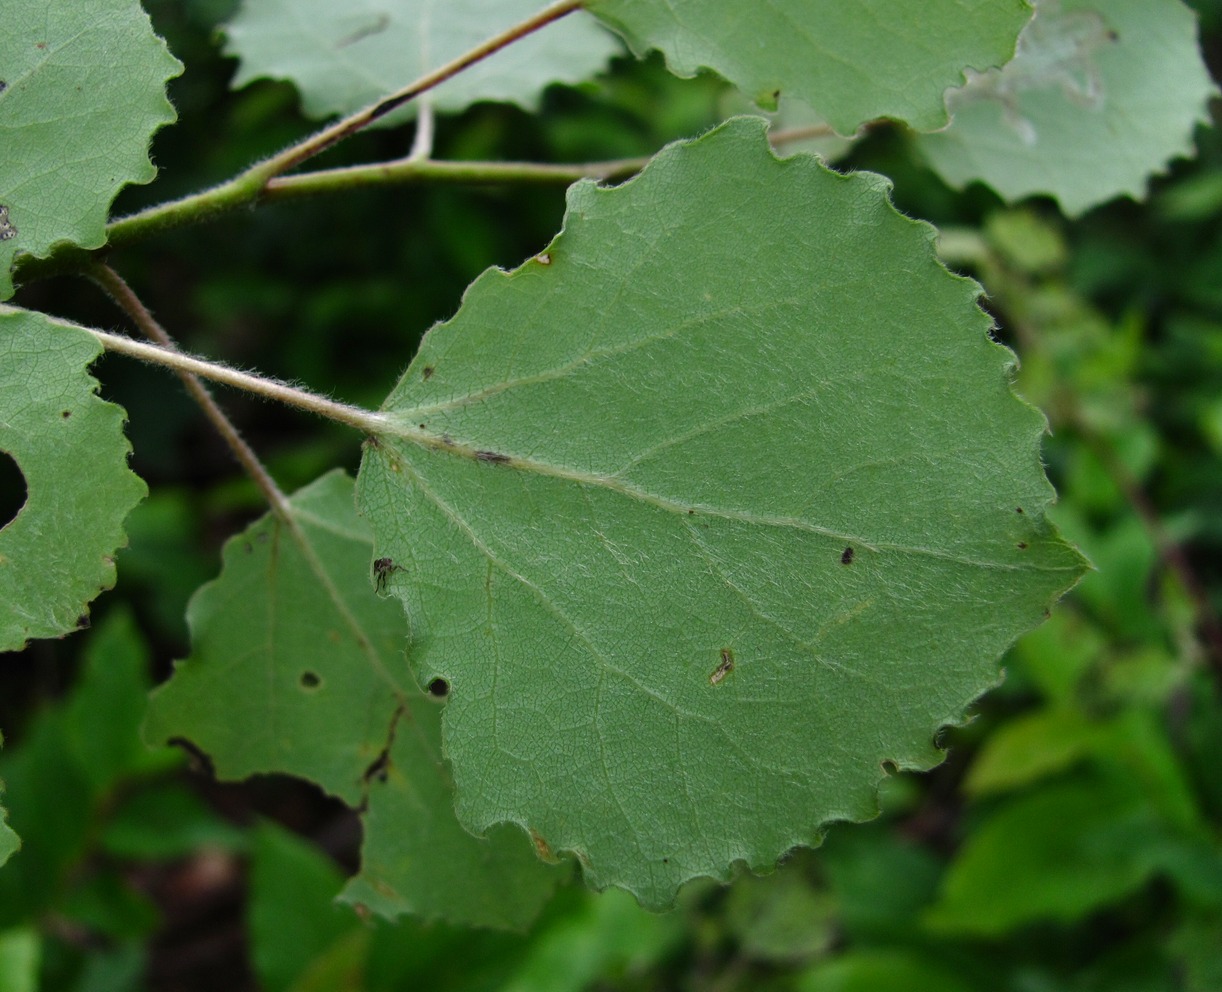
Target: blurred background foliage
point(1072, 841)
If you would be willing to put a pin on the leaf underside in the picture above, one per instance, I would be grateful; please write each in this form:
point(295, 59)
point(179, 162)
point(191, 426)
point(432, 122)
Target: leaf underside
point(852, 61)
point(82, 89)
point(706, 512)
point(345, 56)
point(297, 667)
point(57, 554)
point(1100, 98)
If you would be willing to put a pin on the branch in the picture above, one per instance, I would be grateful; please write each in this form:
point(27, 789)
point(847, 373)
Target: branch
point(130, 303)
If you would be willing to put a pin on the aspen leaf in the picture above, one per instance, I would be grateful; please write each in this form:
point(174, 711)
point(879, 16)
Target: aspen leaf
point(707, 512)
point(82, 89)
point(57, 554)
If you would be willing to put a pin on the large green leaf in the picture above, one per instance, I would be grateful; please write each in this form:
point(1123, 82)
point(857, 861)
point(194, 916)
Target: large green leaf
point(344, 56)
point(851, 60)
point(1101, 96)
point(707, 511)
point(82, 89)
point(298, 667)
point(57, 554)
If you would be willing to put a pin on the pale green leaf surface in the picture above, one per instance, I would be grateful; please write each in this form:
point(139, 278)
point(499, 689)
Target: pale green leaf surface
point(345, 56)
point(648, 451)
point(82, 89)
point(297, 667)
point(852, 61)
point(57, 554)
point(1100, 98)
point(882, 970)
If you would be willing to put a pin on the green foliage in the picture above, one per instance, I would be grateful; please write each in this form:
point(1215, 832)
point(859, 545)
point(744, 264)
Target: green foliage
point(58, 553)
point(851, 61)
point(81, 92)
point(345, 56)
point(513, 505)
point(616, 493)
point(1098, 99)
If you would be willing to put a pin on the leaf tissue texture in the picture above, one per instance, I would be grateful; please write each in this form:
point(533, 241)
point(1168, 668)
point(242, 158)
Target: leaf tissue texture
point(82, 89)
point(1101, 96)
point(57, 554)
point(708, 510)
point(297, 667)
point(852, 61)
point(345, 56)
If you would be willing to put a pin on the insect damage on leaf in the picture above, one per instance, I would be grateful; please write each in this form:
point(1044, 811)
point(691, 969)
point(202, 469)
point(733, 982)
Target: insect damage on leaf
point(724, 669)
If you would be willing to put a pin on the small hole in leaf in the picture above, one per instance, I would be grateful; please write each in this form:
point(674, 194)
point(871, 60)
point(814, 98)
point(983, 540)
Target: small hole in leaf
point(439, 688)
point(13, 491)
point(310, 680)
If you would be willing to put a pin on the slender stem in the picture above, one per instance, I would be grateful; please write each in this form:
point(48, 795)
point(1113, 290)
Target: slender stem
point(247, 187)
point(410, 170)
point(352, 416)
point(322, 140)
point(422, 141)
point(118, 289)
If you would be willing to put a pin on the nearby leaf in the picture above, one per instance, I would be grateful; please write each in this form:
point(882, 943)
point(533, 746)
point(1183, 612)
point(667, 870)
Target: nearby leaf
point(882, 970)
point(298, 667)
point(10, 843)
point(851, 60)
point(345, 56)
point(57, 554)
point(20, 954)
point(82, 89)
point(707, 511)
point(293, 918)
point(1056, 854)
point(1100, 97)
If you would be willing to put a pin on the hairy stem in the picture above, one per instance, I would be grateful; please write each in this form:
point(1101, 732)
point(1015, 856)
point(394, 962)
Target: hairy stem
point(353, 416)
point(118, 289)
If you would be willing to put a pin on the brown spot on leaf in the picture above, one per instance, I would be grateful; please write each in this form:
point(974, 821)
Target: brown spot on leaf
point(543, 848)
point(724, 669)
point(427, 372)
point(492, 456)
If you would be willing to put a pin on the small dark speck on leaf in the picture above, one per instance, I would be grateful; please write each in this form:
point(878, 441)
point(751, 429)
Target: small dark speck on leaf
point(427, 372)
point(82, 621)
point(846, 556)
point(492, 456)
point(3, 85)
point(1022, 545)
point(372, 442)
point(310, 680)
point(724, 669)
point(422, 427)
point(66, 414)
point(666, 861)
point(691, 513)
point(1018, 509)
point(439, 688)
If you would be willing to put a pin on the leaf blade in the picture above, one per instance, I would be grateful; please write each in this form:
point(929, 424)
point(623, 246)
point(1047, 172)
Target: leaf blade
point(605, 486)
point(57, 554)
point(851, 61)
point(83, 92)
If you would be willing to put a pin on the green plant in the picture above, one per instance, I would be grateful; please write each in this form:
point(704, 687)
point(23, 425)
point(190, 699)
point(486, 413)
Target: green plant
point(675, 537)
